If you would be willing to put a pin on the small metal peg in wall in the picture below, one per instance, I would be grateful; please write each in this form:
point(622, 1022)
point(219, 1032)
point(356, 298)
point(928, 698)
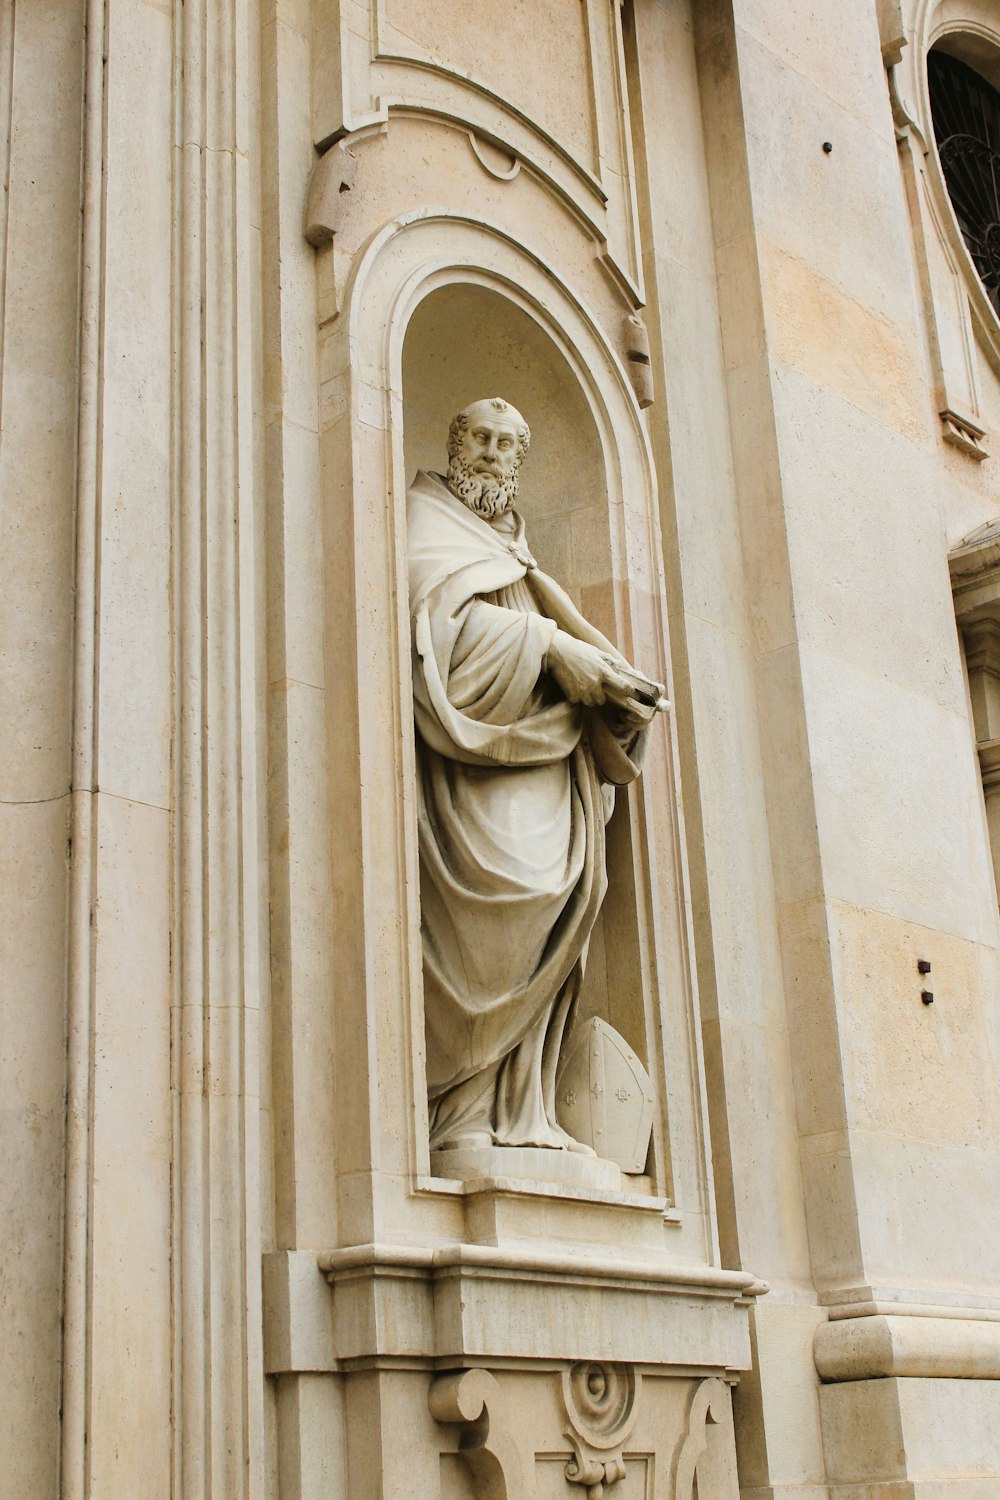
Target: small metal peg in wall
point(927, 996)
point(923, 966)
point(828, 147)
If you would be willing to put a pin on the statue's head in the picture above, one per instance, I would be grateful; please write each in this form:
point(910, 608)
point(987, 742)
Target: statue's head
point(486, 446)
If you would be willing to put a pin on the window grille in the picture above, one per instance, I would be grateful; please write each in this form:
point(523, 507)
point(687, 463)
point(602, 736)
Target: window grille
point(966, 114)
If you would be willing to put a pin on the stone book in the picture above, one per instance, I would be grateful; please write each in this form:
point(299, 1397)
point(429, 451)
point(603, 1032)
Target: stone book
point(642, 699)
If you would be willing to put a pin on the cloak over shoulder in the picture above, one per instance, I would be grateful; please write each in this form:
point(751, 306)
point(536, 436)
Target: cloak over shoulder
point(511, 818)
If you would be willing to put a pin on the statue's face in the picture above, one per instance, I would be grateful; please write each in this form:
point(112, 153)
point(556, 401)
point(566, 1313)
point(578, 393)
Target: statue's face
point(489, 443)
point(486, 443)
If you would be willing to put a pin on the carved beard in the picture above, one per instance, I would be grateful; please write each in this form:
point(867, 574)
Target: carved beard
point(487, 494)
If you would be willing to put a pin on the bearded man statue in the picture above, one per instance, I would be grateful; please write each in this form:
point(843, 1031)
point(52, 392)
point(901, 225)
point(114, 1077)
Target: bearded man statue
point(527, 718)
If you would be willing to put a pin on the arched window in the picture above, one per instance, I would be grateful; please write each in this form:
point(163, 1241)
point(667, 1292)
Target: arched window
point(965, 108)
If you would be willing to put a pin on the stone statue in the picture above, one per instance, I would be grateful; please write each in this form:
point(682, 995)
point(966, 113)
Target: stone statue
point(526, 718)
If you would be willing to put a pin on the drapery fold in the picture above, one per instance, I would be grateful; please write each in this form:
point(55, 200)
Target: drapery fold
point(511, 818)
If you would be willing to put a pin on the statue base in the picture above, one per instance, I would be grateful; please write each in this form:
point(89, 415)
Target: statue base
point(528, 1164)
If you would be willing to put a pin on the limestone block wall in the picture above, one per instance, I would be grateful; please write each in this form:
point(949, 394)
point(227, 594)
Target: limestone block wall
point(251, 257)
point(462, 241)
point(133, 972)
point(845, 470)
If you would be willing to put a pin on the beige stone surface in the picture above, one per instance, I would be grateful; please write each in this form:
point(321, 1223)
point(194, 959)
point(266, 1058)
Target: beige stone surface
point(877, 1431)
point(775, 1404)
point(39, 288)
point(908, 1188)
point(846, 589)
point(912, 1345)
point(134, 668)
point(805, 200)
point(213, 1057)
point(840, 343)
point(875, 964)
point(131, 1144)
point(313, 1452)
point(559, 100)
point(927, 867)
point(32, 1087)
point(299, 948)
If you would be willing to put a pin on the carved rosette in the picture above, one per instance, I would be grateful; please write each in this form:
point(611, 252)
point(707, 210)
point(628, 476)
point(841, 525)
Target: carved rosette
point(601, 1403)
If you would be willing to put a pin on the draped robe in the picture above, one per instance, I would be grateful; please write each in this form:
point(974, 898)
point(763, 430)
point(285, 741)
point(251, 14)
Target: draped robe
point(514, 788)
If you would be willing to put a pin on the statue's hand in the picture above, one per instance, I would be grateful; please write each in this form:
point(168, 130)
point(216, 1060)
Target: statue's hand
point(583, 673)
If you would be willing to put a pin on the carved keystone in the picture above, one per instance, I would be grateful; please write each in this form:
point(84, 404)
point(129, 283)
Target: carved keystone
point(473, 1398)
point(708, 1405)
point(601, 1402)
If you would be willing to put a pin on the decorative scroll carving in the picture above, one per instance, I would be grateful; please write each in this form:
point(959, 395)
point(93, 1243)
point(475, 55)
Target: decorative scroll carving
point(708, 1405)
point(602, 1403)
point(474, 1399)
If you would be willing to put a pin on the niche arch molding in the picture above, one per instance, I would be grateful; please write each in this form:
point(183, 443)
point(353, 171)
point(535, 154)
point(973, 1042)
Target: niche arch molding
point(376, 896)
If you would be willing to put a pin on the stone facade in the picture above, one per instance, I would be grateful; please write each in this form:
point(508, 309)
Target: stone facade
point(253, 258)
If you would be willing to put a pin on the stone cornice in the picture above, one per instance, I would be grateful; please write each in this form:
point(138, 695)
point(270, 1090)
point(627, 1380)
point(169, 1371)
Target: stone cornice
point(455, 1303)
point(443, 1258)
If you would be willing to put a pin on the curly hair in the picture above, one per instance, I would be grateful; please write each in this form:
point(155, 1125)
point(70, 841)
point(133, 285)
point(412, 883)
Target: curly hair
point(460, 426)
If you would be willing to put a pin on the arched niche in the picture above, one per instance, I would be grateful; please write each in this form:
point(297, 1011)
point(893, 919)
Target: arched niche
point(465, 341)
point(397, 356)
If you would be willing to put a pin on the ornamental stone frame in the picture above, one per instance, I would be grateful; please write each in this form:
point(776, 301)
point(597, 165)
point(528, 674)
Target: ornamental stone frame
point(514, 1277)
point(400, 266)
point(227, 1274)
